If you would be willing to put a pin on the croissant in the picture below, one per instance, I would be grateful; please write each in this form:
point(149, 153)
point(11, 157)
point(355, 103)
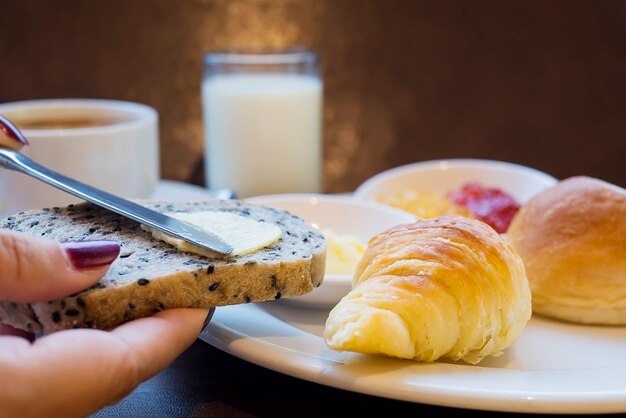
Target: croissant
point(448, 287)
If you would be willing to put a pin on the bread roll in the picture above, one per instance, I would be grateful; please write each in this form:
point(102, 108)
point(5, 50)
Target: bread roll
point(445, 287)
point(572, 238)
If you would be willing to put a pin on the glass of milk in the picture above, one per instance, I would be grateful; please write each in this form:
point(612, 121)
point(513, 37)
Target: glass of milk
point(263, 122)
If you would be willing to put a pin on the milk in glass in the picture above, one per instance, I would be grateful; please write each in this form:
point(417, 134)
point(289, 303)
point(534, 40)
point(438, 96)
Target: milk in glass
point(263, 132)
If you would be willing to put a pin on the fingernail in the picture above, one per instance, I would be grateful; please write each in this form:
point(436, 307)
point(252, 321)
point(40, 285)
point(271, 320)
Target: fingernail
point(10, 131)
point(208, 318)
point(90, 254)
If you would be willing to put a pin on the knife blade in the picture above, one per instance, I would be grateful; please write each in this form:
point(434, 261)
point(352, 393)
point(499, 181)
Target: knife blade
point(17, 161)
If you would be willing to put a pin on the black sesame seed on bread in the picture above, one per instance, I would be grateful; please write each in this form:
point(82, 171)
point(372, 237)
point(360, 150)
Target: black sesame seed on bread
point(151, 275)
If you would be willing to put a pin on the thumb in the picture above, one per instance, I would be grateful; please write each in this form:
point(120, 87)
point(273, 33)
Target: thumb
point(37, 270)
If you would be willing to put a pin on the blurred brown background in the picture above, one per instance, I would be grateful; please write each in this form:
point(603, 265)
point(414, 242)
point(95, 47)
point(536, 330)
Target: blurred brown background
point(541, 83)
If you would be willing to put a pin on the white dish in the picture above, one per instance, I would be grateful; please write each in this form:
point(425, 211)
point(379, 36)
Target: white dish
point(174, 191)
point(521, 182)
point(344, 215)
point(552, 368)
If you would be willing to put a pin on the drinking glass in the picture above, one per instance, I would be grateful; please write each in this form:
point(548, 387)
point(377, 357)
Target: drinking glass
point(263, 121)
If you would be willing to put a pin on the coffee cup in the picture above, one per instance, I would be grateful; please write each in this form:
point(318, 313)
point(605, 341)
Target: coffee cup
point(109, 144)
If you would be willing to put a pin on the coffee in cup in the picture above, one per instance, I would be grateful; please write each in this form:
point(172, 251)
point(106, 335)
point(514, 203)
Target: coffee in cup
point(109, 144)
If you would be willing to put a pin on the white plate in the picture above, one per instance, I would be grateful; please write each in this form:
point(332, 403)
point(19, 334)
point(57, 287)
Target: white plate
point(174, 191)
point(343, 214)
point(552, 368)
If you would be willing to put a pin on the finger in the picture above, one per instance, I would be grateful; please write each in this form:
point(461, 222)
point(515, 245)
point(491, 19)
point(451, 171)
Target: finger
point(180, 327)
point(92, 368)
point(37, 270)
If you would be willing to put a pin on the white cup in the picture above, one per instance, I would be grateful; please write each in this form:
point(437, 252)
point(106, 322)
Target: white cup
point(109, 144)
point(263, 122)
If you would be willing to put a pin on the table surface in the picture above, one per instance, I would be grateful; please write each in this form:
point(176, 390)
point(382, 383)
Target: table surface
point(205, 381)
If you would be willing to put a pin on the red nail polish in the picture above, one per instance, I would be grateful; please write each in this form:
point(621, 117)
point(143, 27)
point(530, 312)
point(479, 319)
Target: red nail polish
point(10, 131)
point(89, 254)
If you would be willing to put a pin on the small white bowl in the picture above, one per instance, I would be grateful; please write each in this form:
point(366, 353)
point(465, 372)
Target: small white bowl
point(520, 182)
point(344, 215)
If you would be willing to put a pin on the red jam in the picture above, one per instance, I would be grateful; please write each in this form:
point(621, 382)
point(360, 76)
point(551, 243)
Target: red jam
point(490, 205)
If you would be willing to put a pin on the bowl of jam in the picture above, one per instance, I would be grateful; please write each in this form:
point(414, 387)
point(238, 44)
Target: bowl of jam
point(489, 190)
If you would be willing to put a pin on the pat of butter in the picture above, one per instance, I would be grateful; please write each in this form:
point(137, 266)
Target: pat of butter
point(343, 252)
point(245, 235)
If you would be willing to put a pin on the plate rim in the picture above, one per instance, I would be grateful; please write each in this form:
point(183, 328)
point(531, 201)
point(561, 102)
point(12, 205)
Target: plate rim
point(331, 372)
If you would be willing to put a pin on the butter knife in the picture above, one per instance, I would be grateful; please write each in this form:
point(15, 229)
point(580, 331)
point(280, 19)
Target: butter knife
point(17, 161)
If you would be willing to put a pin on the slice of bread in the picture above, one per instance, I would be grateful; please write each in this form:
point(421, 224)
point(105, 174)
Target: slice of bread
point(151, 275)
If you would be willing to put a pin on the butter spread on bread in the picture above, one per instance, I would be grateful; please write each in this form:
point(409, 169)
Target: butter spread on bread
point(447, 287)
point(244, 235)
point(151, 275)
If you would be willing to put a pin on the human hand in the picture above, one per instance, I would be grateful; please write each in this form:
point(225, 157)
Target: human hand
point(76, 372)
